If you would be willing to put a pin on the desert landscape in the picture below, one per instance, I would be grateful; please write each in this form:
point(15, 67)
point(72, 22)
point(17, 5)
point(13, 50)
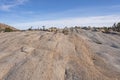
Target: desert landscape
point(59, 39)
point(73, 54)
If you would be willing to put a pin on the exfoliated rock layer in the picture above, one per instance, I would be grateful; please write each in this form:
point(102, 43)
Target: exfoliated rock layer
point(40, 55)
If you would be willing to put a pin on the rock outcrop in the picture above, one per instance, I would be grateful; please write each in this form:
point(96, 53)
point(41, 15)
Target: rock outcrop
point(4, 26)
point(79, 55)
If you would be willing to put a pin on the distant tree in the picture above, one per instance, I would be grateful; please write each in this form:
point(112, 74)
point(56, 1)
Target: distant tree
point(38, 28)
point(65, 31)
point(43, 28)
point(118, 27)
point(114, 27)
point(30, 28)
point(89, 27)
point(71, 29)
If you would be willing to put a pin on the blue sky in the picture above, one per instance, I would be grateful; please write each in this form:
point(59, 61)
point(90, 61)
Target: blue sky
point(25, 13)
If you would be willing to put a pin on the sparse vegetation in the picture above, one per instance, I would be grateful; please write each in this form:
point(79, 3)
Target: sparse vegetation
point(105, 30)
point(8, 30)
point(65, 31)
point(81, 48)
point(53, 29)
point(43, 28)
point(116, 27)
point(30, 28)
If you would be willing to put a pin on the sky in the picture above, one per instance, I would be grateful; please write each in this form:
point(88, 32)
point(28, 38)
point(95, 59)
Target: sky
point(23, 14)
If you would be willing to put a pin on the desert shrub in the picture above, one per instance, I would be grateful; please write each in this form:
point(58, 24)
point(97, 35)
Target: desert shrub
point(77, 27)
point(8, 30)
point(116, 27)
point(29, 29)
point(94, 29)
point(65, 31)
point(85, 28)
point(52, 29)
point(71, 29)
point(0, 29)
point(106, 30)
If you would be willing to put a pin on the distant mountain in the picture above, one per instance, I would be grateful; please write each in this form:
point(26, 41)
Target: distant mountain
point(4, 26)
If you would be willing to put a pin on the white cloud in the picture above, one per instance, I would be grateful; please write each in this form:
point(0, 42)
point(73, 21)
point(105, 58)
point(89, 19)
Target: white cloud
point(7, 5)
point(115, 6)
point(81, 21)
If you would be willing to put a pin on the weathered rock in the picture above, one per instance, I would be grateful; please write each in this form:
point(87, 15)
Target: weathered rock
point(79, 55)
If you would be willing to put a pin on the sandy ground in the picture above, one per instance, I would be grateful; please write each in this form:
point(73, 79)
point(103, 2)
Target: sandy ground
point(80, 55)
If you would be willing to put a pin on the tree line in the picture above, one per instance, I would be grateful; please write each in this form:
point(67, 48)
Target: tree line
point(115, 27)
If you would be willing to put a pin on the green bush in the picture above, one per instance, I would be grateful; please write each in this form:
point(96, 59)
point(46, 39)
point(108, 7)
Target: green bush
point(8, 30)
